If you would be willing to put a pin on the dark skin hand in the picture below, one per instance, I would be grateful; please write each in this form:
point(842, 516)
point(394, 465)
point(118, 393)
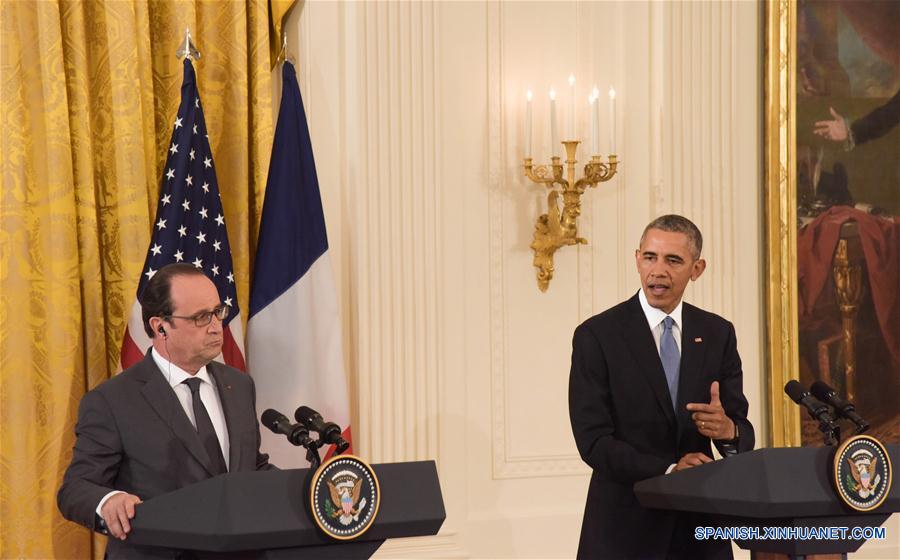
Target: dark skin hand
point(691, 460)
point(710, 419)
point(712, 422)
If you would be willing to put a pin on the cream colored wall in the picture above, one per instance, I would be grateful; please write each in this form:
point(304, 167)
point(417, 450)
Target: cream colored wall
point(416, 113)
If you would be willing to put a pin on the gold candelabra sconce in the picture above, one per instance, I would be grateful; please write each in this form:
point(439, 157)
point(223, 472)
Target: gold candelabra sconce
point(559, 227)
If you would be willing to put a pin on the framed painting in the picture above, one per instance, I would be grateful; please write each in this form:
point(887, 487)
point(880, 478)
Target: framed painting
point(832, 134)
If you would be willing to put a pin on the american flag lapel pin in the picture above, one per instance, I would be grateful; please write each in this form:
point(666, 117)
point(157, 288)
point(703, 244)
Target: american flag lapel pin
point(698, 339)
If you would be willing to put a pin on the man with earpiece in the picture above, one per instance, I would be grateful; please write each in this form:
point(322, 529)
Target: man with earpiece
point(171, 420)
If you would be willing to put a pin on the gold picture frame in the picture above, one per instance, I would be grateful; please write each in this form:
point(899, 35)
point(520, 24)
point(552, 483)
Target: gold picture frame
point(782, 359)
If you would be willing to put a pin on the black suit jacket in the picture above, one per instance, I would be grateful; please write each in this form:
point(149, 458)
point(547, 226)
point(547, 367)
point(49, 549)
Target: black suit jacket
point(626, 429)
point(133, 435)
point(878, 122)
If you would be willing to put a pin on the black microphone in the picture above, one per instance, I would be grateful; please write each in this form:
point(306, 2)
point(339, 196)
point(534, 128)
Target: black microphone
point(845, 409)
point(817, 409)
point(297, 434)
point(329, 432)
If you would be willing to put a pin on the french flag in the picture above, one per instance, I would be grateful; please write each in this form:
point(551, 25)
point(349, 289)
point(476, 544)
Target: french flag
point(294, 348)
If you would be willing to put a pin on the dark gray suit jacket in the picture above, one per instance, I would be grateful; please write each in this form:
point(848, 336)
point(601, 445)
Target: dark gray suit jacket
point(627, 430)
point(878, 122)
point(133, 435)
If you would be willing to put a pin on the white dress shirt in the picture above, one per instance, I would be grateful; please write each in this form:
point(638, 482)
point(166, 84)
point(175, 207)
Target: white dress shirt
point(209, 396)
point(655, 319)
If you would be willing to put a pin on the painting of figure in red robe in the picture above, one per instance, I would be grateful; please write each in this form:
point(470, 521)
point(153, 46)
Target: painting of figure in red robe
point(848, 206)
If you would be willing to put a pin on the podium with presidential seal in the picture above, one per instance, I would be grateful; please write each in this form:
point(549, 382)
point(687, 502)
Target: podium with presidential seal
point(343, 509)
point(788, 502)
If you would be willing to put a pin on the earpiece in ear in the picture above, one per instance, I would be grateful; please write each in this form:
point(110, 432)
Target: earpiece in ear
point(161, 330)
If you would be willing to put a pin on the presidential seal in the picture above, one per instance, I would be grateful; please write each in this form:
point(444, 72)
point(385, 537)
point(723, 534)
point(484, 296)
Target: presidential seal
point(344, 497)
point(862, 473)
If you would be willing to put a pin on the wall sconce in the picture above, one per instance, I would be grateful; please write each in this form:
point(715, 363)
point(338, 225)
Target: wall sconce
point(558, 228)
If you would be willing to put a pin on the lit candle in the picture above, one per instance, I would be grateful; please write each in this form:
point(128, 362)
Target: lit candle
point(573, 134)
point(612, 121)
point(528, 124)
point(594, 101)
point(554, 133)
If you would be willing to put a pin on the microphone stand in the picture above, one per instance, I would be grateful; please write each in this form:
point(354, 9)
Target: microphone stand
point(831, 432)
point(312, 454)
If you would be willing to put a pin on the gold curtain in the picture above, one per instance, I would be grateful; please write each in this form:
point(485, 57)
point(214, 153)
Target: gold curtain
point(278, 10)
point(89, 94)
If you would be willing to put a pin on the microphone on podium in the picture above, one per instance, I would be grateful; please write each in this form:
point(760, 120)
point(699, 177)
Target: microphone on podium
point(816, 408)
point(297, 434)
point(329, 432)
point(844, 409)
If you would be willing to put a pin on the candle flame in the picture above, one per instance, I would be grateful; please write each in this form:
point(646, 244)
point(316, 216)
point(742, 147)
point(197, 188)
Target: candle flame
point(552, 94)
point(528, 95)
point(595, 93)
point(571, 79)
point(591, 99)
point(612, 93)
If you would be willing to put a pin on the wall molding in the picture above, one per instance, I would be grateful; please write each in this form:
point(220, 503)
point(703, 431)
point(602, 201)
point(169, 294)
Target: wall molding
point(688, 173)
point(398, 327)
point(504, 463)
point(436, 289)
point(698, 157)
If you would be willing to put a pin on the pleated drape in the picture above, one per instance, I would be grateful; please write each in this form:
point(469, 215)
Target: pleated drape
point(89, 95)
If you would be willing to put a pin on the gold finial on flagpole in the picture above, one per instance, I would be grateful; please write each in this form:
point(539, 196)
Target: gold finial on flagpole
point(188, 49)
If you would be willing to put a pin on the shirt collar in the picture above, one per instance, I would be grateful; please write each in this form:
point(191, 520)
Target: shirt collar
point(654, 315)
point(175, 375)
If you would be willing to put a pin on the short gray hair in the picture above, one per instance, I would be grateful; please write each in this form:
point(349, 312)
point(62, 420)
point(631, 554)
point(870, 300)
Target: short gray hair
point(678, 224)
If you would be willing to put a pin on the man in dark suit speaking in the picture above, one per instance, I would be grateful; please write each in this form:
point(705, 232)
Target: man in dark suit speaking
point(171, 420)
point(653, 382)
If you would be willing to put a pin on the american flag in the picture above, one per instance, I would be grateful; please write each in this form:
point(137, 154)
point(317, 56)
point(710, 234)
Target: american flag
point(189, 225)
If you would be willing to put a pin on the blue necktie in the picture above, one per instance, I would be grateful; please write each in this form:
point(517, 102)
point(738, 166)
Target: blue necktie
point(671, 358)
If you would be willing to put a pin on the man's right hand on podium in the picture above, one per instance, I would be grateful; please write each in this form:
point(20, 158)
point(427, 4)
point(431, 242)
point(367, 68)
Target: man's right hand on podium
point(116, 512)
point(691, 460)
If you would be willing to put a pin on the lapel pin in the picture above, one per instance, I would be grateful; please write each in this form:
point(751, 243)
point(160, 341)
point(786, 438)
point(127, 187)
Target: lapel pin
point(698, 339)
point(228, 386)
